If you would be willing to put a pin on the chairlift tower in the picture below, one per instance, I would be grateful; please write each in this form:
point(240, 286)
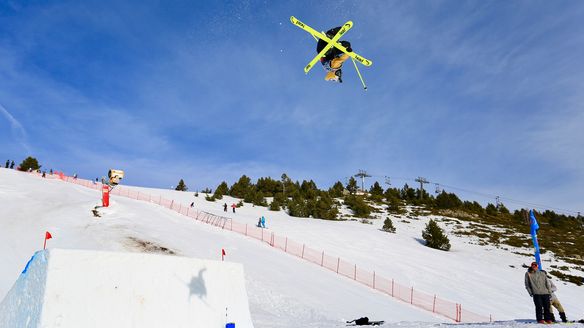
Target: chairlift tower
point(362, 174)
point(422, 181)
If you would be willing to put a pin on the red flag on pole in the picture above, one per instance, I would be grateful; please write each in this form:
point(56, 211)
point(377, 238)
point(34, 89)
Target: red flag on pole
point(47, 236)
point(222, 254)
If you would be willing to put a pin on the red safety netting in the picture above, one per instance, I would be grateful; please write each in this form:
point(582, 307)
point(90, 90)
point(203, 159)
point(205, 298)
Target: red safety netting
point(390, 287)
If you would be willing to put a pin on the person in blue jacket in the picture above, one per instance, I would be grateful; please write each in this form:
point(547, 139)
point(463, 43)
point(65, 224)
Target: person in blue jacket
point(263, 222)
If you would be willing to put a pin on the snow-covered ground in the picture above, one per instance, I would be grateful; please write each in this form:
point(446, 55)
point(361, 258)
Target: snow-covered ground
point(283, 291)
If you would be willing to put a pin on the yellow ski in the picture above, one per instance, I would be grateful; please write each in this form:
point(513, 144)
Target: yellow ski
point(331, 43)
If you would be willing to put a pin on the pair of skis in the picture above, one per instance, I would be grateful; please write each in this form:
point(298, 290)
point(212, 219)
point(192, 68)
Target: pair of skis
point(330, 43)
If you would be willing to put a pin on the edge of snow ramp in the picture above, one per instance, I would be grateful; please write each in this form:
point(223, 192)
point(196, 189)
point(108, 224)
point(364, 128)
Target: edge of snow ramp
point(83, 288)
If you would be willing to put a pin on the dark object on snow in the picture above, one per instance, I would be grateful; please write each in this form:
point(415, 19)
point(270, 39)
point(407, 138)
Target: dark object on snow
point(581, 321)
point(95, 212)
point(365, 322)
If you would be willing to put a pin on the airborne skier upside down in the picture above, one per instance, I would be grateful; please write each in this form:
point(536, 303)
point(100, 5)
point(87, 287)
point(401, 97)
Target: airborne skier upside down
point(331, 52)
point(333, 60)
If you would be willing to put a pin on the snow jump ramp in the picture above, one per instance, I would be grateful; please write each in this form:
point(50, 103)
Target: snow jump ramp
point(80, 288)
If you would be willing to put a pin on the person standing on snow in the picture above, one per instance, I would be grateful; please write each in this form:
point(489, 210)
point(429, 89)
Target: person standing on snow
point(555, 302)
point(7, 162)
point(334, 58)
point(233, 206)
point(225, 207)
point(539, 287)
point(12, 164)
point(263, 220)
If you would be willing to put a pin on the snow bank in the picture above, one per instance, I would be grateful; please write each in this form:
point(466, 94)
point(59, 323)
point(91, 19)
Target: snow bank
point(78, 288)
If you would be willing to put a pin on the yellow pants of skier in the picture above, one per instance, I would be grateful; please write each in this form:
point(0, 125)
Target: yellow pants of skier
point(336, 64)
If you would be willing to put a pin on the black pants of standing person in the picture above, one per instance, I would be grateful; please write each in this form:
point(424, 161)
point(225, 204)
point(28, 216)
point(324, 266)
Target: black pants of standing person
point(542, 307)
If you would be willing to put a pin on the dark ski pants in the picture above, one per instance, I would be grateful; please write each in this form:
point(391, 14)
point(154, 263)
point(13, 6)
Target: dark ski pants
point(542, 307)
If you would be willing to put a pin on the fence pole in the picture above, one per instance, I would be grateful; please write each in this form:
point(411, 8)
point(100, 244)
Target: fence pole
point(246, 229)
point(303, 245)
point(322, 259)
point(286, 246)
point(262, 234)
point(373, 279)
point(272, 240)
point(171, 203)
point(355, 274)
point(338, 262)
point(392, 287)
point(434, 304)
point(459, 312)
point(412, 296)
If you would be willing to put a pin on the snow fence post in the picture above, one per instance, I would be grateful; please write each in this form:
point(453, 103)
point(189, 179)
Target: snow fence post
point(303, 245)
point(373, 279)
point(322, 259)
point(171, 203)
point(246, 229)
point(434, 304)
point(286, 246)
point(392, 287)
point(338, 262)
point(412, 296)
point(355, 274)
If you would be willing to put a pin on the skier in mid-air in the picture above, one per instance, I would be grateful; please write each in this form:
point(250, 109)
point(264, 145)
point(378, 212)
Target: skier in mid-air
point(334, 58)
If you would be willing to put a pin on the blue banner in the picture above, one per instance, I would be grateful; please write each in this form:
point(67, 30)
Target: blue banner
point(534, 228)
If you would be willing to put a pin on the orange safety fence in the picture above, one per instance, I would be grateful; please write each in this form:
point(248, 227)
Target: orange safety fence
point(428, 302)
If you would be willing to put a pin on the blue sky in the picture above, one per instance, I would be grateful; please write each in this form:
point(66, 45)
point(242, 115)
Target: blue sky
point(479, 95)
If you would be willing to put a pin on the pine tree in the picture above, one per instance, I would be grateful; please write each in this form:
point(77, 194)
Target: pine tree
point(241, 187)
point(29, 163)
point(435, 237)
point(337, 190)
point(352, 186)
point(221, 190)
point(376, 192)
point(388, 226)
point(181, 186)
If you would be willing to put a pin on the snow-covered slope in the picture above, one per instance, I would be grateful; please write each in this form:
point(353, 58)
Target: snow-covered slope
point(81, 288)
point(283, 291)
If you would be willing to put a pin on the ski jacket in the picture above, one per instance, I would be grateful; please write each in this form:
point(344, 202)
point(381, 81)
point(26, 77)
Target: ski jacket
point(537, 283)
point(333, 52)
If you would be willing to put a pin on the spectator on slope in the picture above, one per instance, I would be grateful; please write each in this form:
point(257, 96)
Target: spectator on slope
point(225, 207)
point(538, 286)
point(12, 164)
point(259, 223)
point(263, 221)
point(233, 206)
point(7, 162)
point(51, 171)
point(193, 204)
point(44, 174)
point(555, 302)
